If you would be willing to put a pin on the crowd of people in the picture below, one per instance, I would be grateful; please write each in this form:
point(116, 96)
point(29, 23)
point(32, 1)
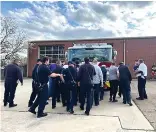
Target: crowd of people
point(71, 84)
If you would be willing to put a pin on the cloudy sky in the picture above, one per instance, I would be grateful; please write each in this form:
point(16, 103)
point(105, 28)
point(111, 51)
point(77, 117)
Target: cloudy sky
point(82, 20)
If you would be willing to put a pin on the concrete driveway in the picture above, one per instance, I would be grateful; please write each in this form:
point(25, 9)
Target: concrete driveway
point(108, 117)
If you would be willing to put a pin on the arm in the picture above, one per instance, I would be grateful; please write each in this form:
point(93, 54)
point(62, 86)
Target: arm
point(129, 75)
point(5, 71)
point(101, 76)
point(19, 74)
point(79, 74)
point(34, 72)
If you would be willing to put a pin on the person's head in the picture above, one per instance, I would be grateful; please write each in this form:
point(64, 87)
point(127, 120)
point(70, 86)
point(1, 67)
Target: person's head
point(15, 61)
point(113, 64)
point(70, 63)
point(39, 61)
point(141, 61)
point(86, 59)
point(45, 60)
point(77, 62)
point(58, 63)
point(95, 61)
point(121, 63)
point(136, 62)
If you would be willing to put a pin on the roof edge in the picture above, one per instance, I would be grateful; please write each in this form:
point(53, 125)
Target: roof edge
point(109, 38)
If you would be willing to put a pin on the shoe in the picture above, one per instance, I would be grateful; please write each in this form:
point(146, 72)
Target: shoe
point(110, 100)
point(139, 98)
point(32, 111)
point(96, 104)
point(47, 103)
point(81, 108)
point(5, 104)
point(130, 104)
point(58, 101)
point(13, 105)
point(101, 99)
point(71, 111)
point(115, 100)
point(64, 105)
point(86, 113)
point(124, 102)
point(53, 107)
point(30, 104)
point(41, 115)
point(145, 97)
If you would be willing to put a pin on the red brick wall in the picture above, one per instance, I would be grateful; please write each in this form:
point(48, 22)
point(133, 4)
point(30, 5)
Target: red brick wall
point(135, 49)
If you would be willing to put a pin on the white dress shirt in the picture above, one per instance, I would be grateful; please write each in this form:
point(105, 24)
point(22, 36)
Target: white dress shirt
point(143, 68)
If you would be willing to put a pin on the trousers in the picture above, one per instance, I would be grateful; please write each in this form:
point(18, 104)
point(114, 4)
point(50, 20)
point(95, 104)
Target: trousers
point(141, 87)
point(126, 90)
point(9, 93)
point(85, 91)
point(41, 100)
point(113, 88)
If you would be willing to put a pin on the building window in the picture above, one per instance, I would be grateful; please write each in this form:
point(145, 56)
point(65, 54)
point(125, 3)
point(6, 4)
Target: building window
point(54, 52)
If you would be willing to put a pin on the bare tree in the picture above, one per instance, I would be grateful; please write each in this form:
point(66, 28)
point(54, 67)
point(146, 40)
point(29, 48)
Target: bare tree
point(13, 39)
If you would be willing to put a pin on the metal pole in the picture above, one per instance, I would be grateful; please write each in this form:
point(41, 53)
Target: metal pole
point(124, 52)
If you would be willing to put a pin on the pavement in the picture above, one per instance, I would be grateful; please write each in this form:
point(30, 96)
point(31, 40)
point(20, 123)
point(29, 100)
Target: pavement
point(147, 107)
point(108, 117)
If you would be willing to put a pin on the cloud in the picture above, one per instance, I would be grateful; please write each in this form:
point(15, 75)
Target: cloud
point(80, 20)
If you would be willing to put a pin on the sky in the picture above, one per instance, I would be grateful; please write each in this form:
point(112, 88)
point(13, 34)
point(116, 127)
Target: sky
point(82, 20)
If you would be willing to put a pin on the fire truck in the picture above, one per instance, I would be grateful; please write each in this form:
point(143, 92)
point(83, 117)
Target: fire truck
point(105, 53)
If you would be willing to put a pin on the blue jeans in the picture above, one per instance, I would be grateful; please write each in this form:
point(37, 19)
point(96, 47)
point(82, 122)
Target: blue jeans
point(50, 88)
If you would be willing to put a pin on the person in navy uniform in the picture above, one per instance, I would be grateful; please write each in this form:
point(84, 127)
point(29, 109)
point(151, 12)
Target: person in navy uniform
point(70, 75)
point(34, 92)
point(56, 85)
point(125, 79)
point(85, 77)
point(43, 73)
point(12, 74)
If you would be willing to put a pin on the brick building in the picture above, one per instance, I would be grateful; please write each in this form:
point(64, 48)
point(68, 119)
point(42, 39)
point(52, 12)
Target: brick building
point(129, 49)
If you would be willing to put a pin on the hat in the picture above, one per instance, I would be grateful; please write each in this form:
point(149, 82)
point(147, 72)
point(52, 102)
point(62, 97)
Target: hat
point(70, 62)
point(38, 60)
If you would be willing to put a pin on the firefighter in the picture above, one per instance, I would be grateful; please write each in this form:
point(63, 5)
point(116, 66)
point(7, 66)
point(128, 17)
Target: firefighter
point(34, 92)
point(12, 74)
point(70, 75)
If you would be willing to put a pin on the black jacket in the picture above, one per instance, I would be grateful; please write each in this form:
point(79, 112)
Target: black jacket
point(124, 73)
point(104, 72)
point(86, 73)
point(12, 73)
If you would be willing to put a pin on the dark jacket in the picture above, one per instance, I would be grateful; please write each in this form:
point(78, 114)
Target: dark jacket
point(70, 74)
point(124, 73)
point(86, 73)
point(104, 72)
point(34, 72)
point(12, 73)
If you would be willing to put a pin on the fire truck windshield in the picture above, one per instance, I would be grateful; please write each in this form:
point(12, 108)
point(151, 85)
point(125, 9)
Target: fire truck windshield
point(102, 54)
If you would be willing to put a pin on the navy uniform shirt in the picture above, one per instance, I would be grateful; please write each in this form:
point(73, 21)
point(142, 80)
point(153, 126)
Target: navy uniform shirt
point(70, 76)
point(43, 73)
point(34, 72)
point(12, 73)
point(86, 73)
point(57, 70)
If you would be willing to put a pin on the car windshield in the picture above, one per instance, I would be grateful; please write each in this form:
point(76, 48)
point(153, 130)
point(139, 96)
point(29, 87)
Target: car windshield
point(104, 54)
